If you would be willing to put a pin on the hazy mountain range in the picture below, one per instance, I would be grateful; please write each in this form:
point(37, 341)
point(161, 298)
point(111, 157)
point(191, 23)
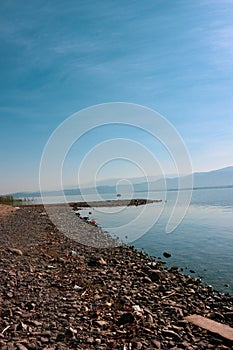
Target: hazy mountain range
point(216, 178)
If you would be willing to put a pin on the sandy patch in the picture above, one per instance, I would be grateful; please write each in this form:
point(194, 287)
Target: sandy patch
point(6, 210)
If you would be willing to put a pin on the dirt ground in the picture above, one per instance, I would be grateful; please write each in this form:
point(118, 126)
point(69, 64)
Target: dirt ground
point(6, 210)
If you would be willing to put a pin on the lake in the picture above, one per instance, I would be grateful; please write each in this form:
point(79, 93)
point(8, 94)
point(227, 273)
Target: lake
point(202, 242)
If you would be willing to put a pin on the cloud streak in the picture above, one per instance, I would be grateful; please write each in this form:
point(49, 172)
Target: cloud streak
point(175, 57)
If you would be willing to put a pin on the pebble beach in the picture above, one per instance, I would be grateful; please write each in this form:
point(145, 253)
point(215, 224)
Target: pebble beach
point(58, 294)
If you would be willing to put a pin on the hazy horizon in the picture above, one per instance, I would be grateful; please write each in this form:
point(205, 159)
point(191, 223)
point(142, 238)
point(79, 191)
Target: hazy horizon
point(111, 182)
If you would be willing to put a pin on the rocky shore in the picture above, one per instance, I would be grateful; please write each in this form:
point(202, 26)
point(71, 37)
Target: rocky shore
point(115, 203)
point(57, 294)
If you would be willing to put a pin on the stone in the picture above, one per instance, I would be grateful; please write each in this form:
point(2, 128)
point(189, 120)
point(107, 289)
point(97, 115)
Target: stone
point(101, 323)
point(156, 343)
point(102, 261)
point(22, 326)
point(170, 334)
point(167, 255)
point(149, 319)
point(156, 275)
point(36, 323)
point(76, 287)
point(127, 317)
point(10, 294)
point(174, 268)
point(137, 345)
point(15, 251)
point(136, 308)
point(44, 340)
point(90, 340)
point(21, 346)
point(147, 279)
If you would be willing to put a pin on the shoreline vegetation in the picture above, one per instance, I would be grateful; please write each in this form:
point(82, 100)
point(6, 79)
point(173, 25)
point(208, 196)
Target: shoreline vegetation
point(10, 200)
point(95, 204)
point(14, 201)
point(58, 294)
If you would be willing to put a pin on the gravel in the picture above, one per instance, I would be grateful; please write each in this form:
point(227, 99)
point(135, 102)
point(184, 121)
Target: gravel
point(57, 294)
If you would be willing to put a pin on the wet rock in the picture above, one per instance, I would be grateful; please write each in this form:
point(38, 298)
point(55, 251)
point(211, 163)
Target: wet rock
point(174, 268)
point(167, 255)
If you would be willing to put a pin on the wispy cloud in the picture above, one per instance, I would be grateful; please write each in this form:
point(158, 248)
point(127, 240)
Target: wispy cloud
point(176, 57)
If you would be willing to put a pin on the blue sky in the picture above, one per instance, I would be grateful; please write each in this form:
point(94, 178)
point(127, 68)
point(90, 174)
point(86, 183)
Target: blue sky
point(57, 58)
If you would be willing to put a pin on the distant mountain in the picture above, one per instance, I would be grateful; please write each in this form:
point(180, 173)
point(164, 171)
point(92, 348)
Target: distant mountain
point(134, 180)
point(215, 178)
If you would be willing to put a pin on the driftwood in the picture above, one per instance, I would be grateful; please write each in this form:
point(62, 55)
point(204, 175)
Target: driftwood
point(212, 326)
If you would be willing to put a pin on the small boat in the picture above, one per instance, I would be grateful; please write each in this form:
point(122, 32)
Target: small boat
point(118, 195)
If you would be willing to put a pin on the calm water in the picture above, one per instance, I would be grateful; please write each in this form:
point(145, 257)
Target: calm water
point(202, 242)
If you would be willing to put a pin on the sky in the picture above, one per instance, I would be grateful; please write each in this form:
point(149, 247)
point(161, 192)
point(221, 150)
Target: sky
point(58, 57)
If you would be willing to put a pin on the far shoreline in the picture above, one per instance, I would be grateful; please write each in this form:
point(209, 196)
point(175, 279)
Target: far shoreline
point(104, 203)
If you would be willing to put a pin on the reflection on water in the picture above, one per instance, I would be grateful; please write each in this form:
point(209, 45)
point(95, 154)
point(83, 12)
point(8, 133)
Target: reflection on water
point(202, 242)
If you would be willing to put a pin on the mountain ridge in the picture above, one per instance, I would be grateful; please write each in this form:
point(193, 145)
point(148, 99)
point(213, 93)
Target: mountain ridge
point(215, 178)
